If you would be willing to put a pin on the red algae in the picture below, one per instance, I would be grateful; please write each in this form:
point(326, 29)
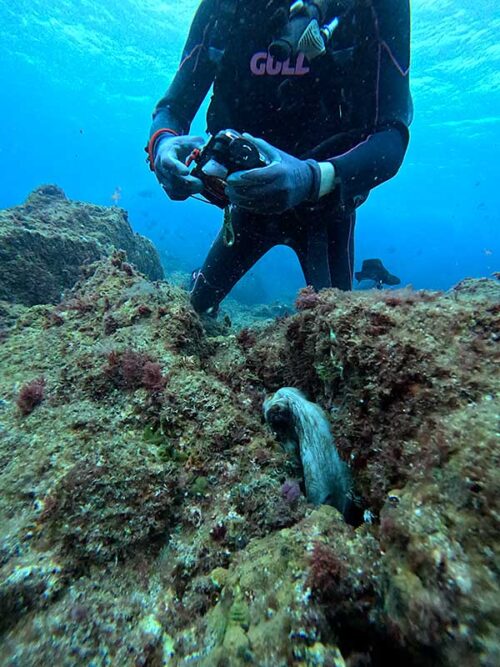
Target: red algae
point(31, 395)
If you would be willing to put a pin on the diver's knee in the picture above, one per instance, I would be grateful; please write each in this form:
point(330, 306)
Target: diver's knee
point(204, 302)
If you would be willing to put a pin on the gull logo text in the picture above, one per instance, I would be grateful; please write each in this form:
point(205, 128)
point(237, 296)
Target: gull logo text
point(263, 64)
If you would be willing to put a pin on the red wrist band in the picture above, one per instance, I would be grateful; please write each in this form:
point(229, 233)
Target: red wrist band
point(150, 148)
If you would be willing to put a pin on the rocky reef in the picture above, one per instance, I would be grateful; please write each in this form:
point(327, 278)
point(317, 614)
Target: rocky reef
point(149, 517)
point(45, 241)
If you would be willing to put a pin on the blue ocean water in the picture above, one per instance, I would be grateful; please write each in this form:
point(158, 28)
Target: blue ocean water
point(79, 80)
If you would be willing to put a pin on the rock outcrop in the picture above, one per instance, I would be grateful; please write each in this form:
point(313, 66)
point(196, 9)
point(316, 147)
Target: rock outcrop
point(146, 516)
point(45, 241)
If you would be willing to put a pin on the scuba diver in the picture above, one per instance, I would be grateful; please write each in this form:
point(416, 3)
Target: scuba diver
point(375, 272)
point(310, 110)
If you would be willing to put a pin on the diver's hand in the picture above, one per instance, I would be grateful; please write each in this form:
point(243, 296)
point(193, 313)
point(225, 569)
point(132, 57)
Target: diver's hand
point(284, 183)
point(170, 166)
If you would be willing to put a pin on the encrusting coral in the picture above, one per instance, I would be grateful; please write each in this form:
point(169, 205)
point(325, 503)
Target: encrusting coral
point(148, 517)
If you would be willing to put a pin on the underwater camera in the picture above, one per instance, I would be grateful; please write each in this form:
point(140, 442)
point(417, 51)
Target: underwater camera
point(226, 152)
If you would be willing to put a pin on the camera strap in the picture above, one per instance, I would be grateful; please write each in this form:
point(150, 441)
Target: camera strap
point(228, 236)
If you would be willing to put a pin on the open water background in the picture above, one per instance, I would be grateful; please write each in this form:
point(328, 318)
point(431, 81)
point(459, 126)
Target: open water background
point(79, 80)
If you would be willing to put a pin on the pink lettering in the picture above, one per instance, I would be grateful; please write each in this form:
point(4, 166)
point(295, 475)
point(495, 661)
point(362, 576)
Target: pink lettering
point(299, 65)
point(272, 67)
point(258, 63)
point(287, 70)
point(262, 63)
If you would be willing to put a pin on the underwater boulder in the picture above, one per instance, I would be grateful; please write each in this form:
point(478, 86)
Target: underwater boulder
point(45, 241)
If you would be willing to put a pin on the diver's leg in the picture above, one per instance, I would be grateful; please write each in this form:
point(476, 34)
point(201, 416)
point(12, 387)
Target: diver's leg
point(341, 248)
point(309, 240)
point(225, 265)
point(324, 244)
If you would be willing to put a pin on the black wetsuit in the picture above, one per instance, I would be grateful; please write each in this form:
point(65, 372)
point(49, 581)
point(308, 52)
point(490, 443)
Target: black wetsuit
point(351, 106)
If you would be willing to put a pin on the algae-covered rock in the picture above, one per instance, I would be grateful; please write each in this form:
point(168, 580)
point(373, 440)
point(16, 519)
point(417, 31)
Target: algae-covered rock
point(268, 612)
point(412, 383)
point(441, 547)
point(149, 517)
point(28, 585)
point(387, 365)
point(122, 473)
point(45, 241)
point(100, 511)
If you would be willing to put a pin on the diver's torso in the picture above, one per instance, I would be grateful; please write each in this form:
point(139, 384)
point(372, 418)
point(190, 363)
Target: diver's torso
point(298, 104)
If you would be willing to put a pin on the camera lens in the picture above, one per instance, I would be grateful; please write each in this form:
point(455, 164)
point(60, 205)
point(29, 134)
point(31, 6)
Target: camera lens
point(243, 155)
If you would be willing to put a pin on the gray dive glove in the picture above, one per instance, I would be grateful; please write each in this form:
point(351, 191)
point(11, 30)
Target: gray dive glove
point(171, 153)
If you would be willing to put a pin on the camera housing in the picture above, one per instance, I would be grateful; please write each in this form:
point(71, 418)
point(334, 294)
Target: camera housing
point(225, 153)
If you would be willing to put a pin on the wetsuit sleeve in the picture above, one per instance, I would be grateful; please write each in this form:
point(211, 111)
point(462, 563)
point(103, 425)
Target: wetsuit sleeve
point(380, 153)
point(195, 75)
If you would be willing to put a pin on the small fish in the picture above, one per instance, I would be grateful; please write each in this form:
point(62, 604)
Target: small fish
point(488, 252)
point(117, 194)
point(146, 194)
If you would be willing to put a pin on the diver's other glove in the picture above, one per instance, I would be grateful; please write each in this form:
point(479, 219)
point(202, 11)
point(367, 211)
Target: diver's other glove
point(171, 153)
point(284, 183)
